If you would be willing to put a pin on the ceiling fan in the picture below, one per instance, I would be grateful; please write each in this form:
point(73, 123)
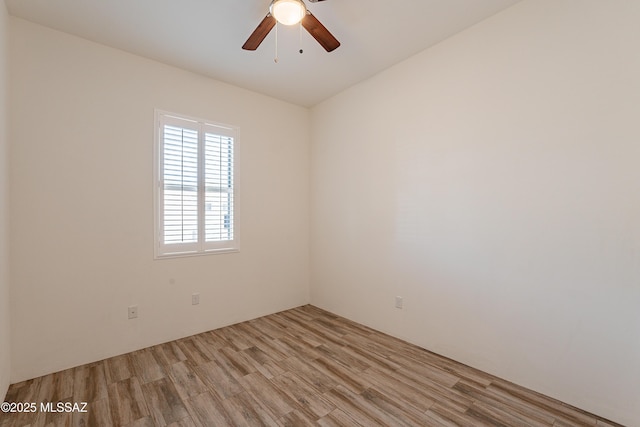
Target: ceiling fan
point(290, 12)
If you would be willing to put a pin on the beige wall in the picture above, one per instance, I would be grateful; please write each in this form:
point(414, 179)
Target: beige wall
point(82, 214)
point(493, 182)
point(5, 332)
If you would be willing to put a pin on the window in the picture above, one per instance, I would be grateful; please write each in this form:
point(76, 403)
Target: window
point(195, 197)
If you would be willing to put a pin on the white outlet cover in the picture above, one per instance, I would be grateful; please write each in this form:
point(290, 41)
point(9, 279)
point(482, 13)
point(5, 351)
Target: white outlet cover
point(399, 302)
point(133, 311)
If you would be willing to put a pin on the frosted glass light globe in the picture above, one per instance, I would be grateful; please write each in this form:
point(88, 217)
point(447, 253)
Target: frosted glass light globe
point(288, 12)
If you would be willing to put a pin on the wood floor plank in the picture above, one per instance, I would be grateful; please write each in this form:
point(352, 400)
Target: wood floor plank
point(273, 348)
point(395, 406)
point(127, 402)
point(168, 353)
point(231, 365)
point(89, 383)
point(51, 419)
point(353, 380)
point(358, 409)
point(257, 355)
point(164, 402)
point(146, 366)
point(306, 397)
point(270, 369)
point(98, 414)
point(26, 391)
point(385, 382)
point(240, 360)
point(437, 392)
point(447, 365)
point(215, 339)
point(296, 419)
point(297, 346)
point(39, 418)
point(340, 355)
point(496, 416)
point(234, 337)
point(273, 400)
point(185, 422)
point(442, 416)
point(300, 367)
point(140, 422)
point(337, 418)
point(558, 409)
point(307, 372)
point(370, 359)
point(244, 411)
point(218, 380)
point(118, 368)
point(267, 328)
point(482, 394)
point(186, 381)
point(414, 368)
point(62, 386)
point(207, 411)
point(326, 335)
point(194, 351)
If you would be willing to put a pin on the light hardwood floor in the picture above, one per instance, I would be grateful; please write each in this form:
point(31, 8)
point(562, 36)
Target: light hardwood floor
point(299, 367)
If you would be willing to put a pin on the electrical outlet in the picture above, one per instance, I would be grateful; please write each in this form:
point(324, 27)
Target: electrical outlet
point(133, 311)
point(195, 299)
point(399, 302)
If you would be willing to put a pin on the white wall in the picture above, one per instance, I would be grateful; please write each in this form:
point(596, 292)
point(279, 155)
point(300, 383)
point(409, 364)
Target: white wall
point(5, 332)
point(493, 181)
point(82, 214)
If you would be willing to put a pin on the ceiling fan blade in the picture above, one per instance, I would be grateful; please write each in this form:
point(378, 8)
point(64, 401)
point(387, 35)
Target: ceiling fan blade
point(260, 33)
point(319, 32)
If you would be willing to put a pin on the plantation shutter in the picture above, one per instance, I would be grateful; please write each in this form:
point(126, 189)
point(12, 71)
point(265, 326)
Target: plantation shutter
point(196, 187)
point(180, 175)
point(219, 187)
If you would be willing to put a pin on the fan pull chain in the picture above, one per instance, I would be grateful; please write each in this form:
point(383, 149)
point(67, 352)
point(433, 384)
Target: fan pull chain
point(300, 27)
point(276, 58)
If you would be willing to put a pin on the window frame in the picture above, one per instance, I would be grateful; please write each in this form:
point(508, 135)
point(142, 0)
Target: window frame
point(201, 246)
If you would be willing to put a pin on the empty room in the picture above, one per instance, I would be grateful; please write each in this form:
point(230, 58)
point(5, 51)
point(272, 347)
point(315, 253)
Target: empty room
point(322, 213)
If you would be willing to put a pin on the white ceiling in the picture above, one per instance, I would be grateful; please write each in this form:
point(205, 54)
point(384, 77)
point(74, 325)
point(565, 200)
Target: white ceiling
point(205, 36)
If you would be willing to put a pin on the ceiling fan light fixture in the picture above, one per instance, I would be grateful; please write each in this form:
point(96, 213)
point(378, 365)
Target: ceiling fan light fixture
point(288, 12)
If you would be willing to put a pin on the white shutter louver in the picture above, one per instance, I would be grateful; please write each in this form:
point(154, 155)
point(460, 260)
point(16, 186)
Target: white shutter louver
point(180, 175)
point(218, 187)
point(195, 200)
